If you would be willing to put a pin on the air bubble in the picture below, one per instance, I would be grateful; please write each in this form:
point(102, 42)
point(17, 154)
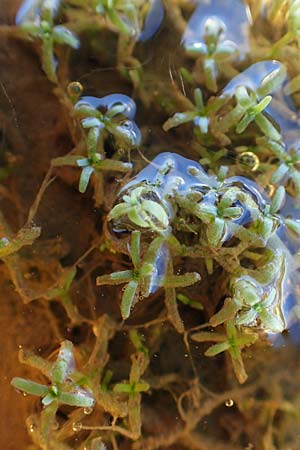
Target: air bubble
point(32, 427)
point(248, 160)
point(88, 410)
point(229, 403)
point(77, 426)
point(74, 89)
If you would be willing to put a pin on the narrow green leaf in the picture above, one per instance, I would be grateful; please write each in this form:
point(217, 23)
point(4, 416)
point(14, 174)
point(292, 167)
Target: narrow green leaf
point(295, 177)
point(272, 81)
point(267, 127)
point(179, 119)
point(124, 388)
point(187, 301)
point(211, 73)
point(85, 178)
point(238, 367)
point(245, 340)
point(245, 292)
point(157, 211)
point(63, 35)
point(113, 165)
point(47, 420)
point(176, 281)
point(243, 98)
point(244, 123)
point(135, 248)
point(70, 160)
point(215, 231)
point(65, 363)
point(227, 312)
point(49, 398)
point(120, 210)
point(81, 399)
point(292, 86)
point(277, 200)
point(279, 173)
point(199, 100)
point(31, 29)
point(115, 110)
point(208, 336)
point(147, 269)
point(232, 212)
point(83, 162)
point(142, 387)
point(30, 387)
point(272, 322)
point(206, 212)
point(48, 61)
point(217, 349)
point(136, 218)
point(128, 298)
point(293, 225)
point(246, 317)
point(270, 298)
point(196, 49)
point(91, 122)
point(115, 278)
point(93, 139)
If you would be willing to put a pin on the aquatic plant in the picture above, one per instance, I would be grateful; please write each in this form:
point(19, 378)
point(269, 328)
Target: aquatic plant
point(100, 126)
point(173, 280)
point(36, 21)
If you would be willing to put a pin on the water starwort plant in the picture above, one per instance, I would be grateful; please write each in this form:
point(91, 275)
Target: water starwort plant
point(150, 224)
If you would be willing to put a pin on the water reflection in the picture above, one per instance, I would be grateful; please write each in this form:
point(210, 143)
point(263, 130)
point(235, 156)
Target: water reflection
point(235, 26)
point(109, 101)
point(282, 108)
point(28, 11)
point(170, 176)
point(153, 21)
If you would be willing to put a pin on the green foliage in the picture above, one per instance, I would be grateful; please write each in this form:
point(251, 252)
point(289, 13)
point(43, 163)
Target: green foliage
point(141, 210)
point(48, 34)
point(61, 293)
point(99, 127)
point(248, 304)
point(213, 51)
point(120, 13)
point(187, 301)
point(247, 109)
point(199, 116)
point(170, 223)
point(25, 236)
point(63, 390)
point(124, 17)
point(140, 277)
point(288, 164)
point(233, 342)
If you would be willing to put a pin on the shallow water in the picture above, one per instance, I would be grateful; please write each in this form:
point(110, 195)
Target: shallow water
point(194, 401)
